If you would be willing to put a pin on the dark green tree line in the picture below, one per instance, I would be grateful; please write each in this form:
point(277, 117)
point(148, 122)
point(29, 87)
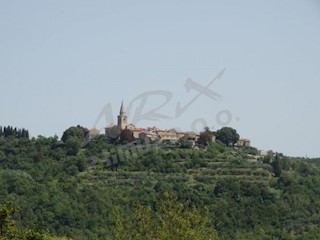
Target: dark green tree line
point(10, 131)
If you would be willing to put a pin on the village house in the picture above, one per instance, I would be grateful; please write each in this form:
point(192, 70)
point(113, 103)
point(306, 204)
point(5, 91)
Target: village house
point(243, 142)
point(152, 133)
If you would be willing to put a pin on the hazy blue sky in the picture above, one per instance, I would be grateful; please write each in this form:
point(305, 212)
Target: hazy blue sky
point(61, 62)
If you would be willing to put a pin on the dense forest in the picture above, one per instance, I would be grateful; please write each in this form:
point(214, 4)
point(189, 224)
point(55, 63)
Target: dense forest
point(97, 189)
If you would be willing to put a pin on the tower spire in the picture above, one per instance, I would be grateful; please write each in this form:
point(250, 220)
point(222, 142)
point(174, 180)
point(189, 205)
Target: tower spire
point(122, 118)
point(122, 110)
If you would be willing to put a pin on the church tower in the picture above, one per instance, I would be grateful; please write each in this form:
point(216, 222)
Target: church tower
point(122, 118)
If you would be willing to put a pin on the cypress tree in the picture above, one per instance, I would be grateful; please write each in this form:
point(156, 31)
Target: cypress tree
point(27, 134)
point(5, 131)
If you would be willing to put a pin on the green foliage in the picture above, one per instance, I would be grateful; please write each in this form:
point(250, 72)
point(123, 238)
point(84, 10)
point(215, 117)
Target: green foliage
point(205, 137)
point(10, 231)
point(216, 148)
point(250, 150)
point(166, 219)
point(228, 136)
point(71, 191)
point(77, 132)
point(74, 138)
point(277, 165)
point(6, 224)
point(184, 143)
point(13, 132)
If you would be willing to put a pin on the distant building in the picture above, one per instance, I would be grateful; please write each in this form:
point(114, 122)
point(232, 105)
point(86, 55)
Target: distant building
point(264, 153)
point(243, 142)
point(150, 133)
point(168, 136)
point(114, 131)
point(122, 118)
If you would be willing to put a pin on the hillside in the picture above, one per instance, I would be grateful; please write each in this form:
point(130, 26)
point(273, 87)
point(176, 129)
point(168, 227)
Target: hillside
point(75, 192)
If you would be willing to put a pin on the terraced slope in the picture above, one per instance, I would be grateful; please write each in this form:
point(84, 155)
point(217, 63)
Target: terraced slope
point(190, 167)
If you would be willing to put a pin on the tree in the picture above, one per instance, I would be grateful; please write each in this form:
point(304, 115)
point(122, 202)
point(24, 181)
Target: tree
point(73, 145)
point(228, 136)
point(24, 133)
point(170, 219)
point(77, 132)
point(13, 132)
point(184, 143)
point(126, 136)
point(6, 224)
point(73, 137)
point(206, 137)
point(277, 166)
point(9, 229)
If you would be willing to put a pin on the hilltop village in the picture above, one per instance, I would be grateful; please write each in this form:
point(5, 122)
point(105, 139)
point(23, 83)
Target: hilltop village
point(154, 134)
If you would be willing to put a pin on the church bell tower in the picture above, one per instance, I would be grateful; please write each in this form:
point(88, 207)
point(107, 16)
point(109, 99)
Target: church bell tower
point(122, 118)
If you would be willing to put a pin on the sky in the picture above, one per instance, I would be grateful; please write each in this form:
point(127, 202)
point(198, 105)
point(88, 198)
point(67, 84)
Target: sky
point(250, 65)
